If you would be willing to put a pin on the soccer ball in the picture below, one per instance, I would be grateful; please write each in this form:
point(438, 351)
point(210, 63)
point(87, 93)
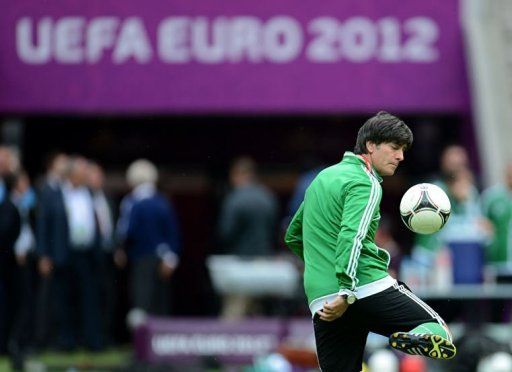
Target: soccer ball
point(425, 208)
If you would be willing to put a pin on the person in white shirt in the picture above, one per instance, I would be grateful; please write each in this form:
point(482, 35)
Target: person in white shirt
point(84, 252)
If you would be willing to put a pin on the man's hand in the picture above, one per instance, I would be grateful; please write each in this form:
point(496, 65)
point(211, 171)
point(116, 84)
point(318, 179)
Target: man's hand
point(21, 259)
point(45, 266)
point(165, 270)
point(120, 258)
point(334, 310)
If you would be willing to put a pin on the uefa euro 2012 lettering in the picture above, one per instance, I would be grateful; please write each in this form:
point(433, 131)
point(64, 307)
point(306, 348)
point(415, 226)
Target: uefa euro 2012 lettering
point(204, 40)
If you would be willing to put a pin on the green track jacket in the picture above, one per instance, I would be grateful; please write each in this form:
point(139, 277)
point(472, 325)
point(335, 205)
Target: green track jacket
point(333, 231)
point(497, 207)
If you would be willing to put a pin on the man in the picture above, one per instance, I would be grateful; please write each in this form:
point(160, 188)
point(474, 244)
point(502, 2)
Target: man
point(454, 161)
point(102, 206)
point(148, 231)
point(83, 246)
point(10, 225)
point(51, 217)
point(24, 198)
point(497, 207)
point(105, 224)
point(247, 228)
point(247, 224)
point(346, 281)
point(53, 258)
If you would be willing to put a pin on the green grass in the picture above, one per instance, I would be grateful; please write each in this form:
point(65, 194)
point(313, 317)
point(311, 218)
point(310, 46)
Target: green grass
point(80, 359)
point(4, 364)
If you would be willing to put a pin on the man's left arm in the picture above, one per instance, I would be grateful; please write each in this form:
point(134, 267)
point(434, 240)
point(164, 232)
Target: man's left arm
point(169, 248)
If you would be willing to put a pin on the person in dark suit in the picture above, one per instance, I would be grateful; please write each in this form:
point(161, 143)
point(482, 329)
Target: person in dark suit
point(247, 227)
point(10, 227)
point(148, 229)
point(247, 223)
point(21, 337)
point(52, 251)
point(103, 211)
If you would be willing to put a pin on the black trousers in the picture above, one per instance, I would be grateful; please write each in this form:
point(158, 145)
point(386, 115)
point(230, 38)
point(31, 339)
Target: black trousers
point(9, 296)
point(340, 344)
point(149, 291)
point(23, 326)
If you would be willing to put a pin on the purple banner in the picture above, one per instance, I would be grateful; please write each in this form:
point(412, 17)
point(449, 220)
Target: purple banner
point(189, 56)
point(168, 339)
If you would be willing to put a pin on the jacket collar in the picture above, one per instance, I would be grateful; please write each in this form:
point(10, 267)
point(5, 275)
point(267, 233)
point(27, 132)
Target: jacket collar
point(144, 191)
point(350, 157)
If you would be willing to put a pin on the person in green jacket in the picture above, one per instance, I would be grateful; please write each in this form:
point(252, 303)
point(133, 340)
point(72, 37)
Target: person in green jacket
point(497, 207)
point(346, 281)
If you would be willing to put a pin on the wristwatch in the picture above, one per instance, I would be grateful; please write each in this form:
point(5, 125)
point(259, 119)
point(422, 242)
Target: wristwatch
point(350, 298)
point(348, 295)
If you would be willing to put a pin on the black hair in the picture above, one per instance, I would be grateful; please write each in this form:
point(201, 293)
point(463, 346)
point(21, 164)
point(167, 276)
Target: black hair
point(383, 127)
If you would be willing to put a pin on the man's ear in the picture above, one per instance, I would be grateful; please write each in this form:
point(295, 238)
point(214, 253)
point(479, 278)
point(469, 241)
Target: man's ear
point(370, 146)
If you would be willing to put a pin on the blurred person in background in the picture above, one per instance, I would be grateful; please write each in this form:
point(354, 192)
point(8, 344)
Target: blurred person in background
point(467, 230)
point(102, 205)
point(83, 241)
point(453, 159)
point(8, 165)
point(248, 215)
point(430, 248)
point(148, 234)
point(10, 227)
point(247, 226)
point(24, 197)
point(103, 211)
point(462, 240)
point(53, 258)
point(497, 207)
